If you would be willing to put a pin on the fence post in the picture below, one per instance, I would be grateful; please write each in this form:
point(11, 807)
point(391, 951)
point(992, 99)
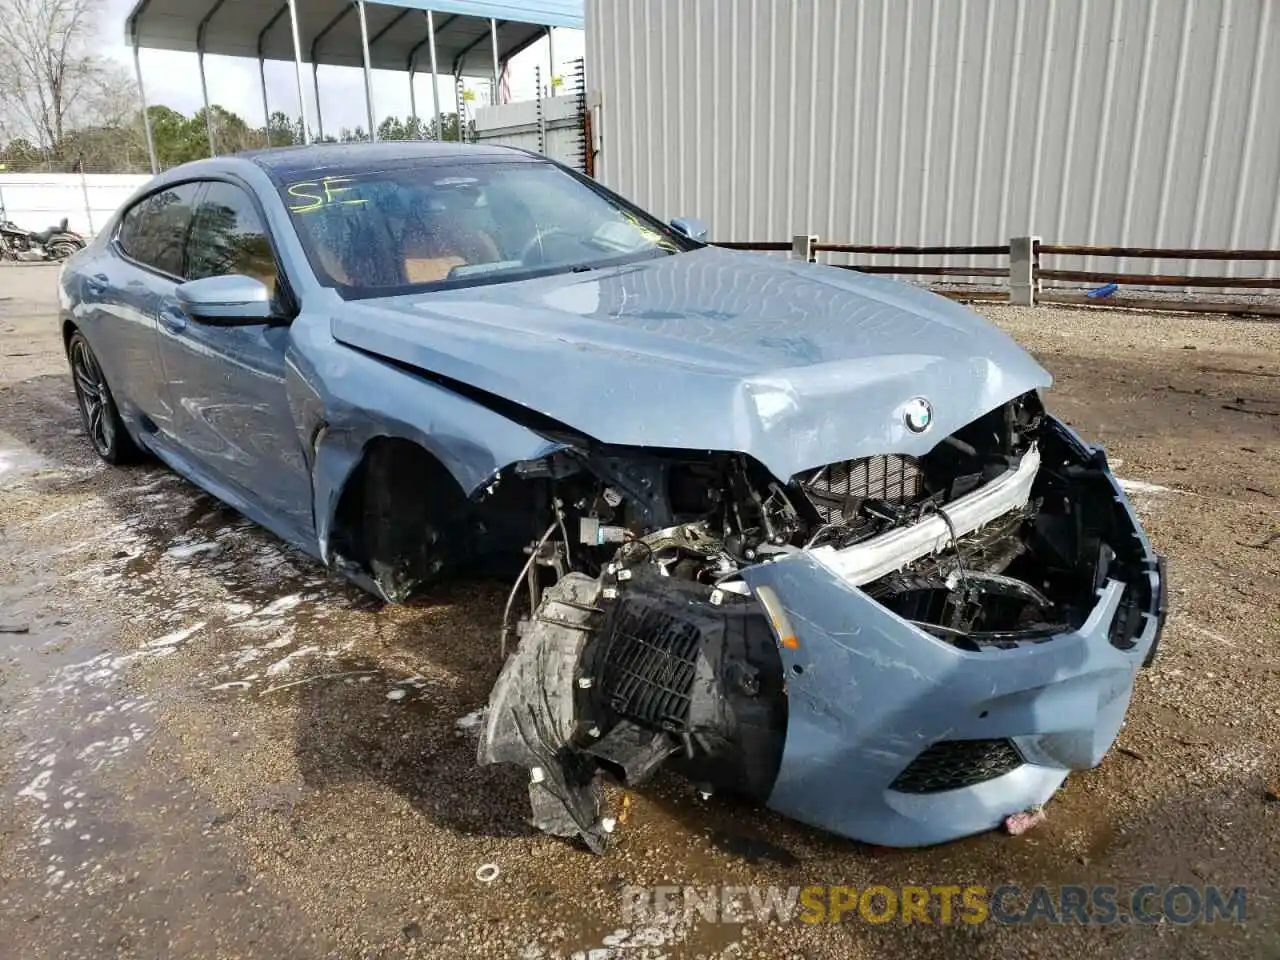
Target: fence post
point(802, 247)
point(84, 190)
point(1022, 271)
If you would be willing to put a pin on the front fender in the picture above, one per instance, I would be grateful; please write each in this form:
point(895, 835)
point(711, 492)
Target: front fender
point(343, 400)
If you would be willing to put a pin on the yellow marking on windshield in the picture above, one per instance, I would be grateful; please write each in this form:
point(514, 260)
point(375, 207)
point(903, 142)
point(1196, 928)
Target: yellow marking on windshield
point(308, 195)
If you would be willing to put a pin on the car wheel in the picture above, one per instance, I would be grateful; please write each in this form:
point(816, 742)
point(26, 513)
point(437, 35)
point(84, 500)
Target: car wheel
point(98, 410)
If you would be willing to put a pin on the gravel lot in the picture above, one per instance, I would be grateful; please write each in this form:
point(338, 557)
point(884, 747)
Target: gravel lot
point(210, 748)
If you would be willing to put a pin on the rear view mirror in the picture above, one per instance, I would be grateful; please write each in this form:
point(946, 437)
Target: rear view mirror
point(691, 228)
point(226, 300)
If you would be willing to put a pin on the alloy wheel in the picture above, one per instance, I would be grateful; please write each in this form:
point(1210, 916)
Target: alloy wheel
point(91, 391)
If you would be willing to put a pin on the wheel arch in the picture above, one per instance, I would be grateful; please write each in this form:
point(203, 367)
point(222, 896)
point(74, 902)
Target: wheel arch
point(395, 463)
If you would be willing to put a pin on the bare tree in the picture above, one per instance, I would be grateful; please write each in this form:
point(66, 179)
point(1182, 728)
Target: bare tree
point(48, 77)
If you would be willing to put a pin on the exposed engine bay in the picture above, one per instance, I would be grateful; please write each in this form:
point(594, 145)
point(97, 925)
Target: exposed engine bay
point(660, 632)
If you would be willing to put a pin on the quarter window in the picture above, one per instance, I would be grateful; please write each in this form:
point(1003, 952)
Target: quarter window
point(152, 232)
point(228, 237)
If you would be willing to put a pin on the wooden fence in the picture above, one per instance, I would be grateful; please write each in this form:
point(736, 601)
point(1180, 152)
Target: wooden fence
point(1025, 279)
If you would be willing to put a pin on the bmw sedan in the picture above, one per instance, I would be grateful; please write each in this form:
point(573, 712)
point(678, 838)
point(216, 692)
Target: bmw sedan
point(803, 534)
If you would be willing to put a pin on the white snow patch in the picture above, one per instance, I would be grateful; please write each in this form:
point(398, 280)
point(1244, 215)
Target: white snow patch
point(233, 685)
point(278, 608)
point(175, 638)
point(1141, 486)
point(283, 640)
point(283, 664)
point(37, 788)
point(186, 551)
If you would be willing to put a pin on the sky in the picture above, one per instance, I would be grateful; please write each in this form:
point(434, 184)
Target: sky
point(173, 80)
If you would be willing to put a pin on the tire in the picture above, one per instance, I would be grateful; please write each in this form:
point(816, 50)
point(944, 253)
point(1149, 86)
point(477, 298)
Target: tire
point(98, 412)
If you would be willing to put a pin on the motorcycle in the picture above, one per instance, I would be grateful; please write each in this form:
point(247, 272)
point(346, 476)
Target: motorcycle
point(55, 244)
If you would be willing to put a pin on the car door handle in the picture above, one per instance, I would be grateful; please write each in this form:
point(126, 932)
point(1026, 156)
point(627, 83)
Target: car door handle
point(173, 320)
point(97, 284)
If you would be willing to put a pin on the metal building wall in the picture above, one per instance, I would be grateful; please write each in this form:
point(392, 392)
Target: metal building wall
point(1136, 122)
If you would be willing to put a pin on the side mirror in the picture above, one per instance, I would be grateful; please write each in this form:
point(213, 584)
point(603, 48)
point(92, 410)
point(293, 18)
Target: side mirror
point(691, 228)
point(228, 300)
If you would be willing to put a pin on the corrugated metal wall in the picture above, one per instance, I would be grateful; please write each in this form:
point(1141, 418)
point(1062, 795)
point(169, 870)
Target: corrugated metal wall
point(1153, 123)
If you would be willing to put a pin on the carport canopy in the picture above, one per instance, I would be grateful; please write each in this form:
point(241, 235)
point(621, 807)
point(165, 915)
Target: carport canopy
point(463, 38)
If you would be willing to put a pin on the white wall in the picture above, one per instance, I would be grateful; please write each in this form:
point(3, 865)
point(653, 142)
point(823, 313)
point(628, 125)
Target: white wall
point(39, 200)
point(516, 125)
point(1149, 123)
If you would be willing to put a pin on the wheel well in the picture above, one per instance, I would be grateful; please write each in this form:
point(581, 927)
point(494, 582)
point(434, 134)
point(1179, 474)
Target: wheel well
point(402, 517)
point(68, 328)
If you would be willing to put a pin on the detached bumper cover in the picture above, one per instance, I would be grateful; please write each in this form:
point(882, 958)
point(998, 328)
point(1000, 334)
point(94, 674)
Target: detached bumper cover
point(869, 694)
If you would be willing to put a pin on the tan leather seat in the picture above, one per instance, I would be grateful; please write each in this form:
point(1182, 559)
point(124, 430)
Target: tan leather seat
point(434, 245)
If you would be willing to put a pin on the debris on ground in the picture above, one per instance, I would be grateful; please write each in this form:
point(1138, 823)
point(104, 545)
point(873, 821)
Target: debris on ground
point(1019, 823)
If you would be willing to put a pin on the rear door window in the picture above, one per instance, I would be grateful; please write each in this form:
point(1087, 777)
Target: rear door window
point(228, 236)
point(154, 231)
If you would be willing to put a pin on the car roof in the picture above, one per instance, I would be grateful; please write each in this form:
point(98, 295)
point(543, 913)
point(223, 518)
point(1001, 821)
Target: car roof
point(283, 163)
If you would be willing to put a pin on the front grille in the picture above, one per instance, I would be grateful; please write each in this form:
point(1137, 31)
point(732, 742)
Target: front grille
point(649, 662)
point(838, 490)
point(953, 764)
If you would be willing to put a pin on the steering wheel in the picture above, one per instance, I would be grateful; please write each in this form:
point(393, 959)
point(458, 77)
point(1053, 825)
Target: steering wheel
point(537, 243)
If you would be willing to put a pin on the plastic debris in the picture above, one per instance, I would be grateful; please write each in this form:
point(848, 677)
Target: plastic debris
point(1104, 291)
point(1019, 823)
point(487, 872)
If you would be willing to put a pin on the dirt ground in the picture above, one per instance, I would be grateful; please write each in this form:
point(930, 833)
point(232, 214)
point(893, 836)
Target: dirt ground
point(210, 748)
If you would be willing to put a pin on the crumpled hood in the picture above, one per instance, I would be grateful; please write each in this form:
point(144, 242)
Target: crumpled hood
point(795, 364)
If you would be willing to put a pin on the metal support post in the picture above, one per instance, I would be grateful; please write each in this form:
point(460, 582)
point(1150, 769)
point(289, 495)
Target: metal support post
point(368, 72)
point(802, 247)
point(1023, 284)
point(146, 117)
point(297, 65)
point(438, 126)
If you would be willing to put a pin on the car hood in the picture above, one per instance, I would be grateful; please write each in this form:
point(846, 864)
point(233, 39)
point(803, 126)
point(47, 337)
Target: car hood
point(794, 364)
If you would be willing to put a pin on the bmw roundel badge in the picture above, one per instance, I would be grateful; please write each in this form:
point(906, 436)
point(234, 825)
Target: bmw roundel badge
point(918, 414)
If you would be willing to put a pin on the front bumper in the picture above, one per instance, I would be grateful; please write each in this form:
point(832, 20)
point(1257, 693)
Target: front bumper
point(870, 693)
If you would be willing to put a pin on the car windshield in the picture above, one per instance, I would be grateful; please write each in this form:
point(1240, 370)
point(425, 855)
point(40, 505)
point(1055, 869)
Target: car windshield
point(432, 224)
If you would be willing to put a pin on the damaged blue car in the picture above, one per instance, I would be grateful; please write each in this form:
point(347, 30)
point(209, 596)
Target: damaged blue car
point(802, 534)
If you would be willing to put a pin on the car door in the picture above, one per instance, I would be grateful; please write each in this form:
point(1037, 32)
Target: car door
point(227, 381)
point(120, 290)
